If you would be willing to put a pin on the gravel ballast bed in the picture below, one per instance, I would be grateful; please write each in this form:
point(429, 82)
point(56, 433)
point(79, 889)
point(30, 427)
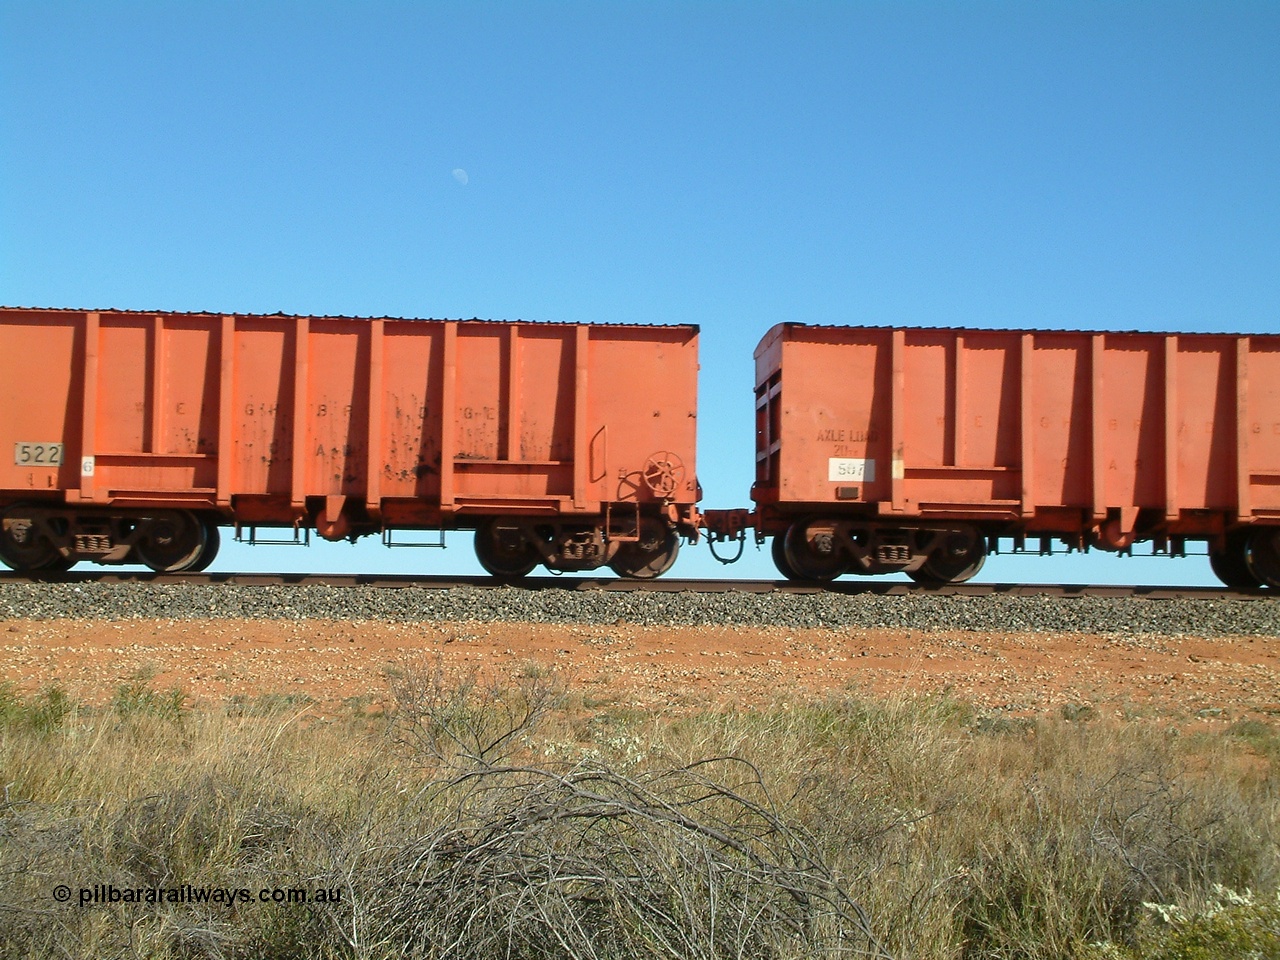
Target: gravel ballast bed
point(1195, 617)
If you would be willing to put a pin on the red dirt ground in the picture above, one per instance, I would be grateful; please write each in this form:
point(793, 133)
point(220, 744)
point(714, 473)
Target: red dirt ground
point(337, 664)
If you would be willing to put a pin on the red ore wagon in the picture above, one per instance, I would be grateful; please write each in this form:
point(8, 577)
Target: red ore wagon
point(882, 450)
point(136, 435)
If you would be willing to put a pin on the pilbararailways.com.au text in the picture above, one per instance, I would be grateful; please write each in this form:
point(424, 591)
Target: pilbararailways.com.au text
point(105, 894)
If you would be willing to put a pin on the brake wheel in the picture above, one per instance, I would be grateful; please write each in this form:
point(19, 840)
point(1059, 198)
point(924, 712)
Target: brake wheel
point(664, 473)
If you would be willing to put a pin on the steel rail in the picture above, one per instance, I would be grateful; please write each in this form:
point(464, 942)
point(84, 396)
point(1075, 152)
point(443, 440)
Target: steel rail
point(612, 585)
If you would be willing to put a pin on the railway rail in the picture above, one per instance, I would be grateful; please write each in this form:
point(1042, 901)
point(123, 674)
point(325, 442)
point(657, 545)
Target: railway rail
point(611, 585)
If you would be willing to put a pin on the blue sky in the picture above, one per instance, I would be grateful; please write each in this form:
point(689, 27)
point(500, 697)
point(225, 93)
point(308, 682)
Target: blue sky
point(1085, 165)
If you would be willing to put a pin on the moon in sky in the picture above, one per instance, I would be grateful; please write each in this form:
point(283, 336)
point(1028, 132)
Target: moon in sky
point(461, 176)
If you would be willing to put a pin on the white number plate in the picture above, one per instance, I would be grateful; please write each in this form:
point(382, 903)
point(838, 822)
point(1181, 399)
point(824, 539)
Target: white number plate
point(37, 454)
point(847, 469)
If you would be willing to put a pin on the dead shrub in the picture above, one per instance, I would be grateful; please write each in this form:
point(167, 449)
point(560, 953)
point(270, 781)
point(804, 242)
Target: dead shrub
point(586, 862)
point(466, 720)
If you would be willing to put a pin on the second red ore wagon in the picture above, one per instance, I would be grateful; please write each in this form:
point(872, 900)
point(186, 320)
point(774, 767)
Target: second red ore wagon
point(882, 450)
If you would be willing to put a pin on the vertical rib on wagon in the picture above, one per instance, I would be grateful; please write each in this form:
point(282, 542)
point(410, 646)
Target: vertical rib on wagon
point(89, 411)
point(226, 409)
point(373, 465)
point(1243, 498)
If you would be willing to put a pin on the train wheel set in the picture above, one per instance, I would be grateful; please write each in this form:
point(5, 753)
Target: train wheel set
point(511, 548)
point(823, 549)
point(878, 450)
point(37, 538)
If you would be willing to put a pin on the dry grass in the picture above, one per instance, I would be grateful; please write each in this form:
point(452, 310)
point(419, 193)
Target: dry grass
point(519, 820)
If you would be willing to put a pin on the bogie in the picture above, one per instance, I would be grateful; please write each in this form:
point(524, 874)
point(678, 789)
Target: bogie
point(822, 549)
point(510, 548)
point(53, 539)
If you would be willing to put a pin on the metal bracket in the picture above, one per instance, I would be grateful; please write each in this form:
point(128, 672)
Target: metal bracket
point(387, 541)
point(301, 537)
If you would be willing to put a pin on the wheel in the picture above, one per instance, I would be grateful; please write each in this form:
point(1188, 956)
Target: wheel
point(504, 552)
point(22, 546)
point(212, 542)
point(173, 542)
point(651, 556)
point(779, 550)
point(959, 560)
point(663, 473)
point(1231, 565)
point(813, 552)
point(1263, 556)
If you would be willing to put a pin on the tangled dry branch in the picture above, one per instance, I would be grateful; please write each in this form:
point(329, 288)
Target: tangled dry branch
point(589, 863)
point(465, 721)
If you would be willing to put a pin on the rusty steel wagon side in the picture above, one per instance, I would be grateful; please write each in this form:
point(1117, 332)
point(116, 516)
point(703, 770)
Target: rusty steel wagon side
point(882, 450)
point(135, 435)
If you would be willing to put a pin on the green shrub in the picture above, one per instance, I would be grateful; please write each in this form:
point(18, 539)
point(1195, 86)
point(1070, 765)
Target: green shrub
point(43, 713)
point(1229, 926)
point(136, 698)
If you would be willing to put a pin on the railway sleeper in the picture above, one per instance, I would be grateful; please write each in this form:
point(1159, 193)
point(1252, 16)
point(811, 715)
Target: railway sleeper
point(38, 538)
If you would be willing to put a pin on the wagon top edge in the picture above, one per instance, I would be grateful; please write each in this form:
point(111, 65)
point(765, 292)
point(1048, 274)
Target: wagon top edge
point(795, 330)
point(796, 326)
point(205, 314)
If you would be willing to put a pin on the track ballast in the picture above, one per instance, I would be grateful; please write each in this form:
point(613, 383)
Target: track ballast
point(876, 587)
point(843, 606)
